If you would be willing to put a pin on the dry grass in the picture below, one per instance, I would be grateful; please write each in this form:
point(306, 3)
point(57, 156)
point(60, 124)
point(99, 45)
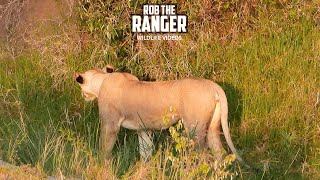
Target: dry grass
point(264, 54)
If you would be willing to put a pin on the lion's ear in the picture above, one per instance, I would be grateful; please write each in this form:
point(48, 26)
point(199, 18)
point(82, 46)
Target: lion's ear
point(79, 78)
point(108, 69)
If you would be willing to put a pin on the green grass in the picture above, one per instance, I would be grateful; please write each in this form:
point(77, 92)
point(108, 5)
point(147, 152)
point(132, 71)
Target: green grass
point(270, 72)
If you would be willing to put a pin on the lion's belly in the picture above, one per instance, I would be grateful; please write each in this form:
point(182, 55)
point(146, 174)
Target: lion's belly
point(130, 124)
point(155, 121)
point(161, 121)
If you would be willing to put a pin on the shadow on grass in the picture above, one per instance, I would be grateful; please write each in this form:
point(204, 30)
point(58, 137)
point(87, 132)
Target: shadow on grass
point(235, 103)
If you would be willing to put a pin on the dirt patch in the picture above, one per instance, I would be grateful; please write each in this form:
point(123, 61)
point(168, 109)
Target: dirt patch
point(20, 17)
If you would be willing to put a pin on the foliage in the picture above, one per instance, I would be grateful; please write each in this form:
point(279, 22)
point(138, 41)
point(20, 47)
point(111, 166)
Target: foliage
point(179, 159)
point(265, 54)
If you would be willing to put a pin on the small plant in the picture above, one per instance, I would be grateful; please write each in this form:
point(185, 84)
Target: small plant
point(180, 159)
point(192, 163)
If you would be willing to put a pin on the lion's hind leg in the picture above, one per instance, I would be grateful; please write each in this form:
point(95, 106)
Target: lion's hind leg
point(213, 133)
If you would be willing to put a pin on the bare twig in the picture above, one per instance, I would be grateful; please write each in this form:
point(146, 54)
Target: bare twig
point(317, 100)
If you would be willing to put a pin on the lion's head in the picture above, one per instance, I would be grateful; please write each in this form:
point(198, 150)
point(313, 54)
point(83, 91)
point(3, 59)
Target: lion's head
point(90, 81)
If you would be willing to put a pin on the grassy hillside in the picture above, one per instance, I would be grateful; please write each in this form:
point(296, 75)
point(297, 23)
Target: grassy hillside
point(266, 56)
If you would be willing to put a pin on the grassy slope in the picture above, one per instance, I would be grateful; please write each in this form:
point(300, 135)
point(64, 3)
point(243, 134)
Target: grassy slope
point(271, 76)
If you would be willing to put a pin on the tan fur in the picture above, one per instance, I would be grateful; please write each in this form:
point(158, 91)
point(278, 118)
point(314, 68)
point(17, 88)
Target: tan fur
point(139, 105)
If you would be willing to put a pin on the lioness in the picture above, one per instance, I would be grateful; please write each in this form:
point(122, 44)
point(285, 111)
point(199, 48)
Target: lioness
point(125, 101)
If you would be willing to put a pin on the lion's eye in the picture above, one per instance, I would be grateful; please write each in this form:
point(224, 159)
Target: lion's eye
point(79, 79)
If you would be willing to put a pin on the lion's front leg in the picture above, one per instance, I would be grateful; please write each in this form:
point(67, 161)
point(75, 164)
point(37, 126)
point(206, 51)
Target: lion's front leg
point(108, 137)
point(109, 129)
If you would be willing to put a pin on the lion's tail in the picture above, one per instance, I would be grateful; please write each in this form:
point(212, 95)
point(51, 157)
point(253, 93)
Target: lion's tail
point(221, 116)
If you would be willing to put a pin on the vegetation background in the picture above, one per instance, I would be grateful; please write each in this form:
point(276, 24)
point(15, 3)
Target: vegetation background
point(265, 54)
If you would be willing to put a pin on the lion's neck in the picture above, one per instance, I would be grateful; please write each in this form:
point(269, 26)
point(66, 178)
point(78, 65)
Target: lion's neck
point(96, 84)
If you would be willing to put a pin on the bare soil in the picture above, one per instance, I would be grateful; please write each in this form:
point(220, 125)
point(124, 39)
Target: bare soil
point(18, 16)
